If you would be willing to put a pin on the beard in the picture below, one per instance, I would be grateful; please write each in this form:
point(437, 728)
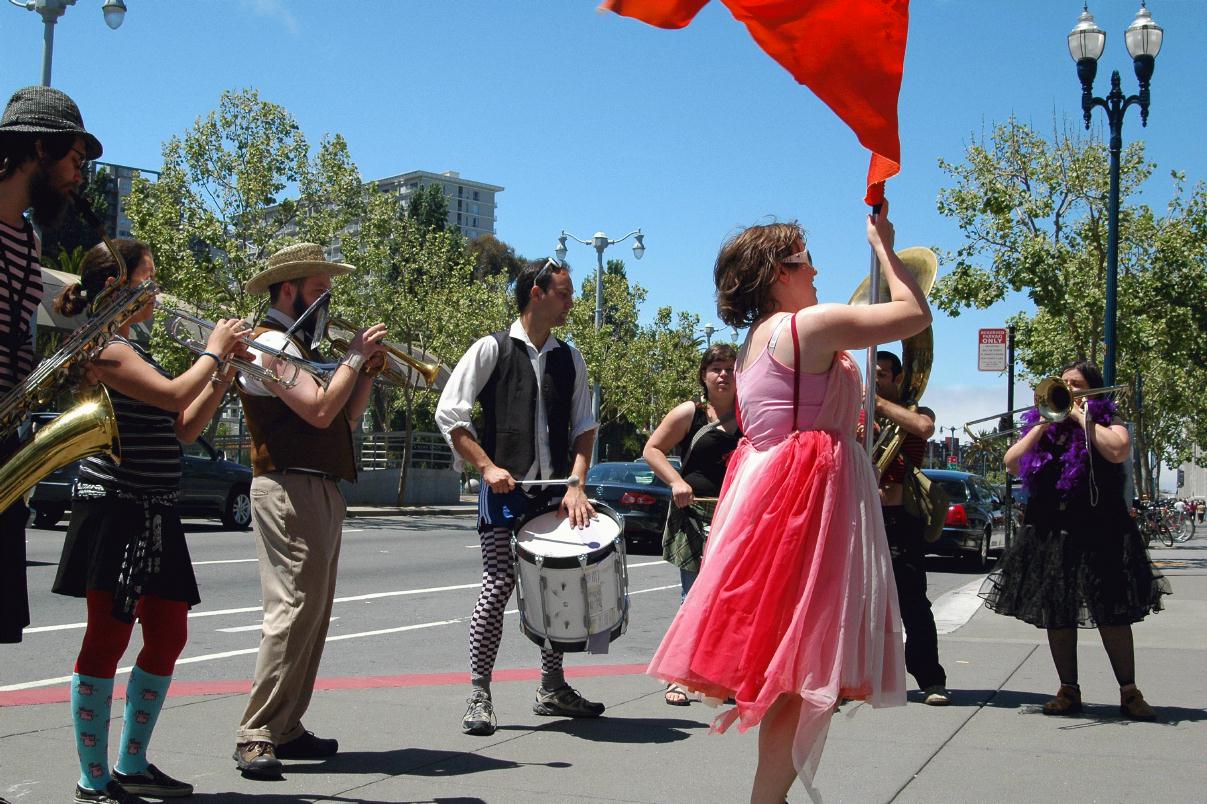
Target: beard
point(48, 203)
point(306, 329)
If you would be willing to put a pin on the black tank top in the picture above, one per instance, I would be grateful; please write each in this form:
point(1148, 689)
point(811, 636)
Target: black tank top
point(705, 467)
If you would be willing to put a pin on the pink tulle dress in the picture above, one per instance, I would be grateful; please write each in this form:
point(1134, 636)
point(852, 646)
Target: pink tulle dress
point(796, 592)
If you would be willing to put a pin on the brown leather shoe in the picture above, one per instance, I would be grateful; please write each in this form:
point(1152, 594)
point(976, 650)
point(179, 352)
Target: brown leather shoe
point(1066, 702)
point(1132, 705)
point(257, 759)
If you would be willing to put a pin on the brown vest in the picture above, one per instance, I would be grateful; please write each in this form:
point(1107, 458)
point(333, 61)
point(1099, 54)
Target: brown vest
point(280, 439)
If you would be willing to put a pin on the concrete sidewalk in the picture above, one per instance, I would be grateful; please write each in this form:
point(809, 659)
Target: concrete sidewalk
point(466, 507)
point(400, 740)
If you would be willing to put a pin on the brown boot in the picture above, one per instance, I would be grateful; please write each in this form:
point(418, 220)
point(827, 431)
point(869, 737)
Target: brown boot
point(1132, 705)
point(1066, 702)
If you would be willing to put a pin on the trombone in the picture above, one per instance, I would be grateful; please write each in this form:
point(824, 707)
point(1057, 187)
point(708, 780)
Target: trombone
point(1054, 399)
point(399, 363)
point(192, 333)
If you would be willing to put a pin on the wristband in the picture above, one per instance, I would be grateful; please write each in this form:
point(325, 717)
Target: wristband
point(217, 359)
point(354, 360)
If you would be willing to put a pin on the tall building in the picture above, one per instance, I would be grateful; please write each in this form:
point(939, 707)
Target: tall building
point(471, 204)
point(121, 180)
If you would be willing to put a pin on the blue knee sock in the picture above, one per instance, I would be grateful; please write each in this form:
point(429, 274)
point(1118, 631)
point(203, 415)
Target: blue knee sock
point(91, 699)
point(144, 698)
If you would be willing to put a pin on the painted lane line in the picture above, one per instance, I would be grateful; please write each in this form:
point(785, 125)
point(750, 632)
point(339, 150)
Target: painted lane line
point(42, 629)
point(238, 629)
point(226, 561)
point(209, 657)
point(955, 608)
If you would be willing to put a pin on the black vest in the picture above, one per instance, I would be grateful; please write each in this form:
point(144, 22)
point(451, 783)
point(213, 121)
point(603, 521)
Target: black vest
point(509, 407)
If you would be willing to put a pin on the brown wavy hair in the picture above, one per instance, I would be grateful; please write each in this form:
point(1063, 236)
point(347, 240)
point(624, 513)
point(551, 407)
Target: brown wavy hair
point(95, 270)
point(721, 351)
point(747, 266)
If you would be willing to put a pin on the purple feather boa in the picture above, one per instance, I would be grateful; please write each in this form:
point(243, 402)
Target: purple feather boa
point(1064, 442)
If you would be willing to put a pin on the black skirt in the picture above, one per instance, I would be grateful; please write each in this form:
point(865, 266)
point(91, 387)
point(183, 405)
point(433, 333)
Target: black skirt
point(1052, 577)
point(98, 537)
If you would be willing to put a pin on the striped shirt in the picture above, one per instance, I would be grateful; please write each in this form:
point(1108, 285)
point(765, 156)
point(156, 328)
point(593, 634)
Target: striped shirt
point(20, 295)
point(150, 449)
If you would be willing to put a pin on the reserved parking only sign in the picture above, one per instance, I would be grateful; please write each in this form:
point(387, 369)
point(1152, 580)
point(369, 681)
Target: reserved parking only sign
point(991, 350)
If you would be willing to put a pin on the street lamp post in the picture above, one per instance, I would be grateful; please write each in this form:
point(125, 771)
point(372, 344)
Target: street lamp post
point(600, 243)
point(1086, 41)
point(709, 329)
point(51, 10)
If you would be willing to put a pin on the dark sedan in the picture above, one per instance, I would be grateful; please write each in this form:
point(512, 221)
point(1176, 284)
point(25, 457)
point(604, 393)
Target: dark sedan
point(635, 492)
point(976, 518)
point(210, 486)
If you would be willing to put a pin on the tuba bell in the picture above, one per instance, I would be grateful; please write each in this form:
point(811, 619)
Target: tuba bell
point(88, 428)
point(917, 351)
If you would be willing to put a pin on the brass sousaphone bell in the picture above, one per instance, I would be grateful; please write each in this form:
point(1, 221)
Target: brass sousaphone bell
point(917, 351)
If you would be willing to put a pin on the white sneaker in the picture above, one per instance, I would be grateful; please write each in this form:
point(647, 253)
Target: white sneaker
point(936, 695)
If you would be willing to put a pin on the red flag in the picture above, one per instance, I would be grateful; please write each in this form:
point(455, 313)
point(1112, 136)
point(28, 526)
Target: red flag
point(849, 52)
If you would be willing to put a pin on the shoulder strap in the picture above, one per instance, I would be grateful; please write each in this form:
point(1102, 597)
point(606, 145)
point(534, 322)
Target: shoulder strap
point(795, 372)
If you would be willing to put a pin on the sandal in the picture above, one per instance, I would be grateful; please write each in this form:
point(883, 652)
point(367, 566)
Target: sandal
point(1066, 702)
point(676, 695)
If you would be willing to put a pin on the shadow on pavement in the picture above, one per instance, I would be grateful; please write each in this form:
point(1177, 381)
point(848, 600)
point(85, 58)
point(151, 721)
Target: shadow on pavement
point(638, 730)
point(411, 762)
point(1093, 712)
point(301, 798)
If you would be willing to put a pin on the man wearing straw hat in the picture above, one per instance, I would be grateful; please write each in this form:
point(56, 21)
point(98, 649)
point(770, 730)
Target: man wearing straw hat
point(301, 448)
point(43, 146)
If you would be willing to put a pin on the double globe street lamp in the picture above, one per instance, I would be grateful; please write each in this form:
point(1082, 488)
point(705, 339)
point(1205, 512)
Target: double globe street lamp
point(600, 243)
point(1086, 42)
point(51, 10)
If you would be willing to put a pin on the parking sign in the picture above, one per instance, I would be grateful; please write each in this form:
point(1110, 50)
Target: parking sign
point(991, 350)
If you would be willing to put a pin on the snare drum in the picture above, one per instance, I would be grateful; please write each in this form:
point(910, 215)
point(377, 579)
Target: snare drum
point(572, 583)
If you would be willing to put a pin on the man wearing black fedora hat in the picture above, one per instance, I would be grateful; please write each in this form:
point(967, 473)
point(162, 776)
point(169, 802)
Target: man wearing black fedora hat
point(43, 145)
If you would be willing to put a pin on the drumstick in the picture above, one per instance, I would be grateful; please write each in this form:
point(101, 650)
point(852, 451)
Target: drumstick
point(572, 481)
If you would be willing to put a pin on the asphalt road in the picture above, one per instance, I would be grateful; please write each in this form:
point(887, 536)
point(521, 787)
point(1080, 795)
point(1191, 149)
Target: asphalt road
point(406, 588)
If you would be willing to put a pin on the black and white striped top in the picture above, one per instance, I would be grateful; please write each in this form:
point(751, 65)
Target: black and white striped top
point(150, 449)
point(20, 294)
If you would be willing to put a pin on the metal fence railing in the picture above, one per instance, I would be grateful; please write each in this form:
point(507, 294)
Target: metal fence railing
point(372, 450)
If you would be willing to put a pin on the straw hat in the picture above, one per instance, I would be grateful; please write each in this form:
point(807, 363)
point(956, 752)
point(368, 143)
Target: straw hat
point(45, 110)
point(295, 262)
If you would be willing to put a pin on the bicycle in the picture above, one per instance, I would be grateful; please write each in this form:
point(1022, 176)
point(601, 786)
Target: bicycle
point(1154, 524)
point(1185, 527)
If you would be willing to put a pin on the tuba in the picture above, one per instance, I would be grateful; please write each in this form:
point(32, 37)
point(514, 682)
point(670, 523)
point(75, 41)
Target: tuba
point(917, 352)
point(90, 426)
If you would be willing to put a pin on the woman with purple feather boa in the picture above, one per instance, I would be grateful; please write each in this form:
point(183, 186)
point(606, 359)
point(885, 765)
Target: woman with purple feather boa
point(1079, 561)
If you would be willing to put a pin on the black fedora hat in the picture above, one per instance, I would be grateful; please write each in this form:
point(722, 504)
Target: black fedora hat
point(46, 110)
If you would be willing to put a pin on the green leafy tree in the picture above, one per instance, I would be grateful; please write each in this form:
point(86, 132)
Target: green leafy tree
point(1034, 217)
point(493, 257)
point(428, 208)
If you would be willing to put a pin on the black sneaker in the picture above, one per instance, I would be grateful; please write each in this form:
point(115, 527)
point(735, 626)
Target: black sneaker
point(112, 794)
point(257, 758)
point(565, 702)
point(153, 782)
point(307, 746)
point(480, 716)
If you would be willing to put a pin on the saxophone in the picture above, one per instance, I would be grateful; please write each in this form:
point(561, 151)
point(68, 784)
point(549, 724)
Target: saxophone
point(90, 426)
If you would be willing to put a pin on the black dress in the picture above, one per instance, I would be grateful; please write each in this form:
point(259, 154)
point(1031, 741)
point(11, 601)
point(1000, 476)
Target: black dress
point(125, 535)
point(1075, 563)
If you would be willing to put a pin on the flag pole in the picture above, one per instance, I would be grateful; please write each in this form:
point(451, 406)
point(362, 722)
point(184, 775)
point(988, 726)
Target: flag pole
point(869, 401)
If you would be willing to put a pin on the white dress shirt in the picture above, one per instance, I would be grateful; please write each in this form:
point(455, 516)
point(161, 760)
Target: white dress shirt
point(469, 378)
point(253, 386)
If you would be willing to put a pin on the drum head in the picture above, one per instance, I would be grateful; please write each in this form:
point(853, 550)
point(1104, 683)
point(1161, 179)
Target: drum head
point(549, 535)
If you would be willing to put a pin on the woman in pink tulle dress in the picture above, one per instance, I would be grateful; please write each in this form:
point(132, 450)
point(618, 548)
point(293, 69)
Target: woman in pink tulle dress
point(795, 607)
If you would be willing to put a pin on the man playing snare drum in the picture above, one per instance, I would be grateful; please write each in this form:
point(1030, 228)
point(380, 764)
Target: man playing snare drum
point(537, 424)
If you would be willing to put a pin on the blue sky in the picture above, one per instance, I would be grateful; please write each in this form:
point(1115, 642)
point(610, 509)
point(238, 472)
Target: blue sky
point(595, 122)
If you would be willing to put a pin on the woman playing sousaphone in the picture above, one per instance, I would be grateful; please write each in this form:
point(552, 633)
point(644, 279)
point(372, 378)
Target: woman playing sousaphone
point(706, 434)
point(125, 551)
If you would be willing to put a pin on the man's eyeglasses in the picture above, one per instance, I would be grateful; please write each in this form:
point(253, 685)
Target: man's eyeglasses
point(550, 265)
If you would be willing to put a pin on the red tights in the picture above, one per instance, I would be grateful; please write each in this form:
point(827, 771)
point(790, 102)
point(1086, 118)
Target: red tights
point(164, 632)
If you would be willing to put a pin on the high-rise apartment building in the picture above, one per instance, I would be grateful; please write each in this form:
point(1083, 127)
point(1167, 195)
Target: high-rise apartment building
point(121, 180)
point(471, 204)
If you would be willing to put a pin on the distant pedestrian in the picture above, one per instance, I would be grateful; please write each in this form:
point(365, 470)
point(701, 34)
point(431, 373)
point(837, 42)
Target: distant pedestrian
point(1080, 560)
point(706, 434)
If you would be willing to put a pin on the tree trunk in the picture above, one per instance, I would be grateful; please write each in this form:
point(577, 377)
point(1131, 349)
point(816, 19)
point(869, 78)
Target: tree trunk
point(408, 395)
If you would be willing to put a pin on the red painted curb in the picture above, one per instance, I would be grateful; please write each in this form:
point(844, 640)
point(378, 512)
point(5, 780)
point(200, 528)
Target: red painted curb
point(184, 689)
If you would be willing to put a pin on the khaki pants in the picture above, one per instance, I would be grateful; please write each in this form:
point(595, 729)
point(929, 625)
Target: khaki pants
point(297, 520)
